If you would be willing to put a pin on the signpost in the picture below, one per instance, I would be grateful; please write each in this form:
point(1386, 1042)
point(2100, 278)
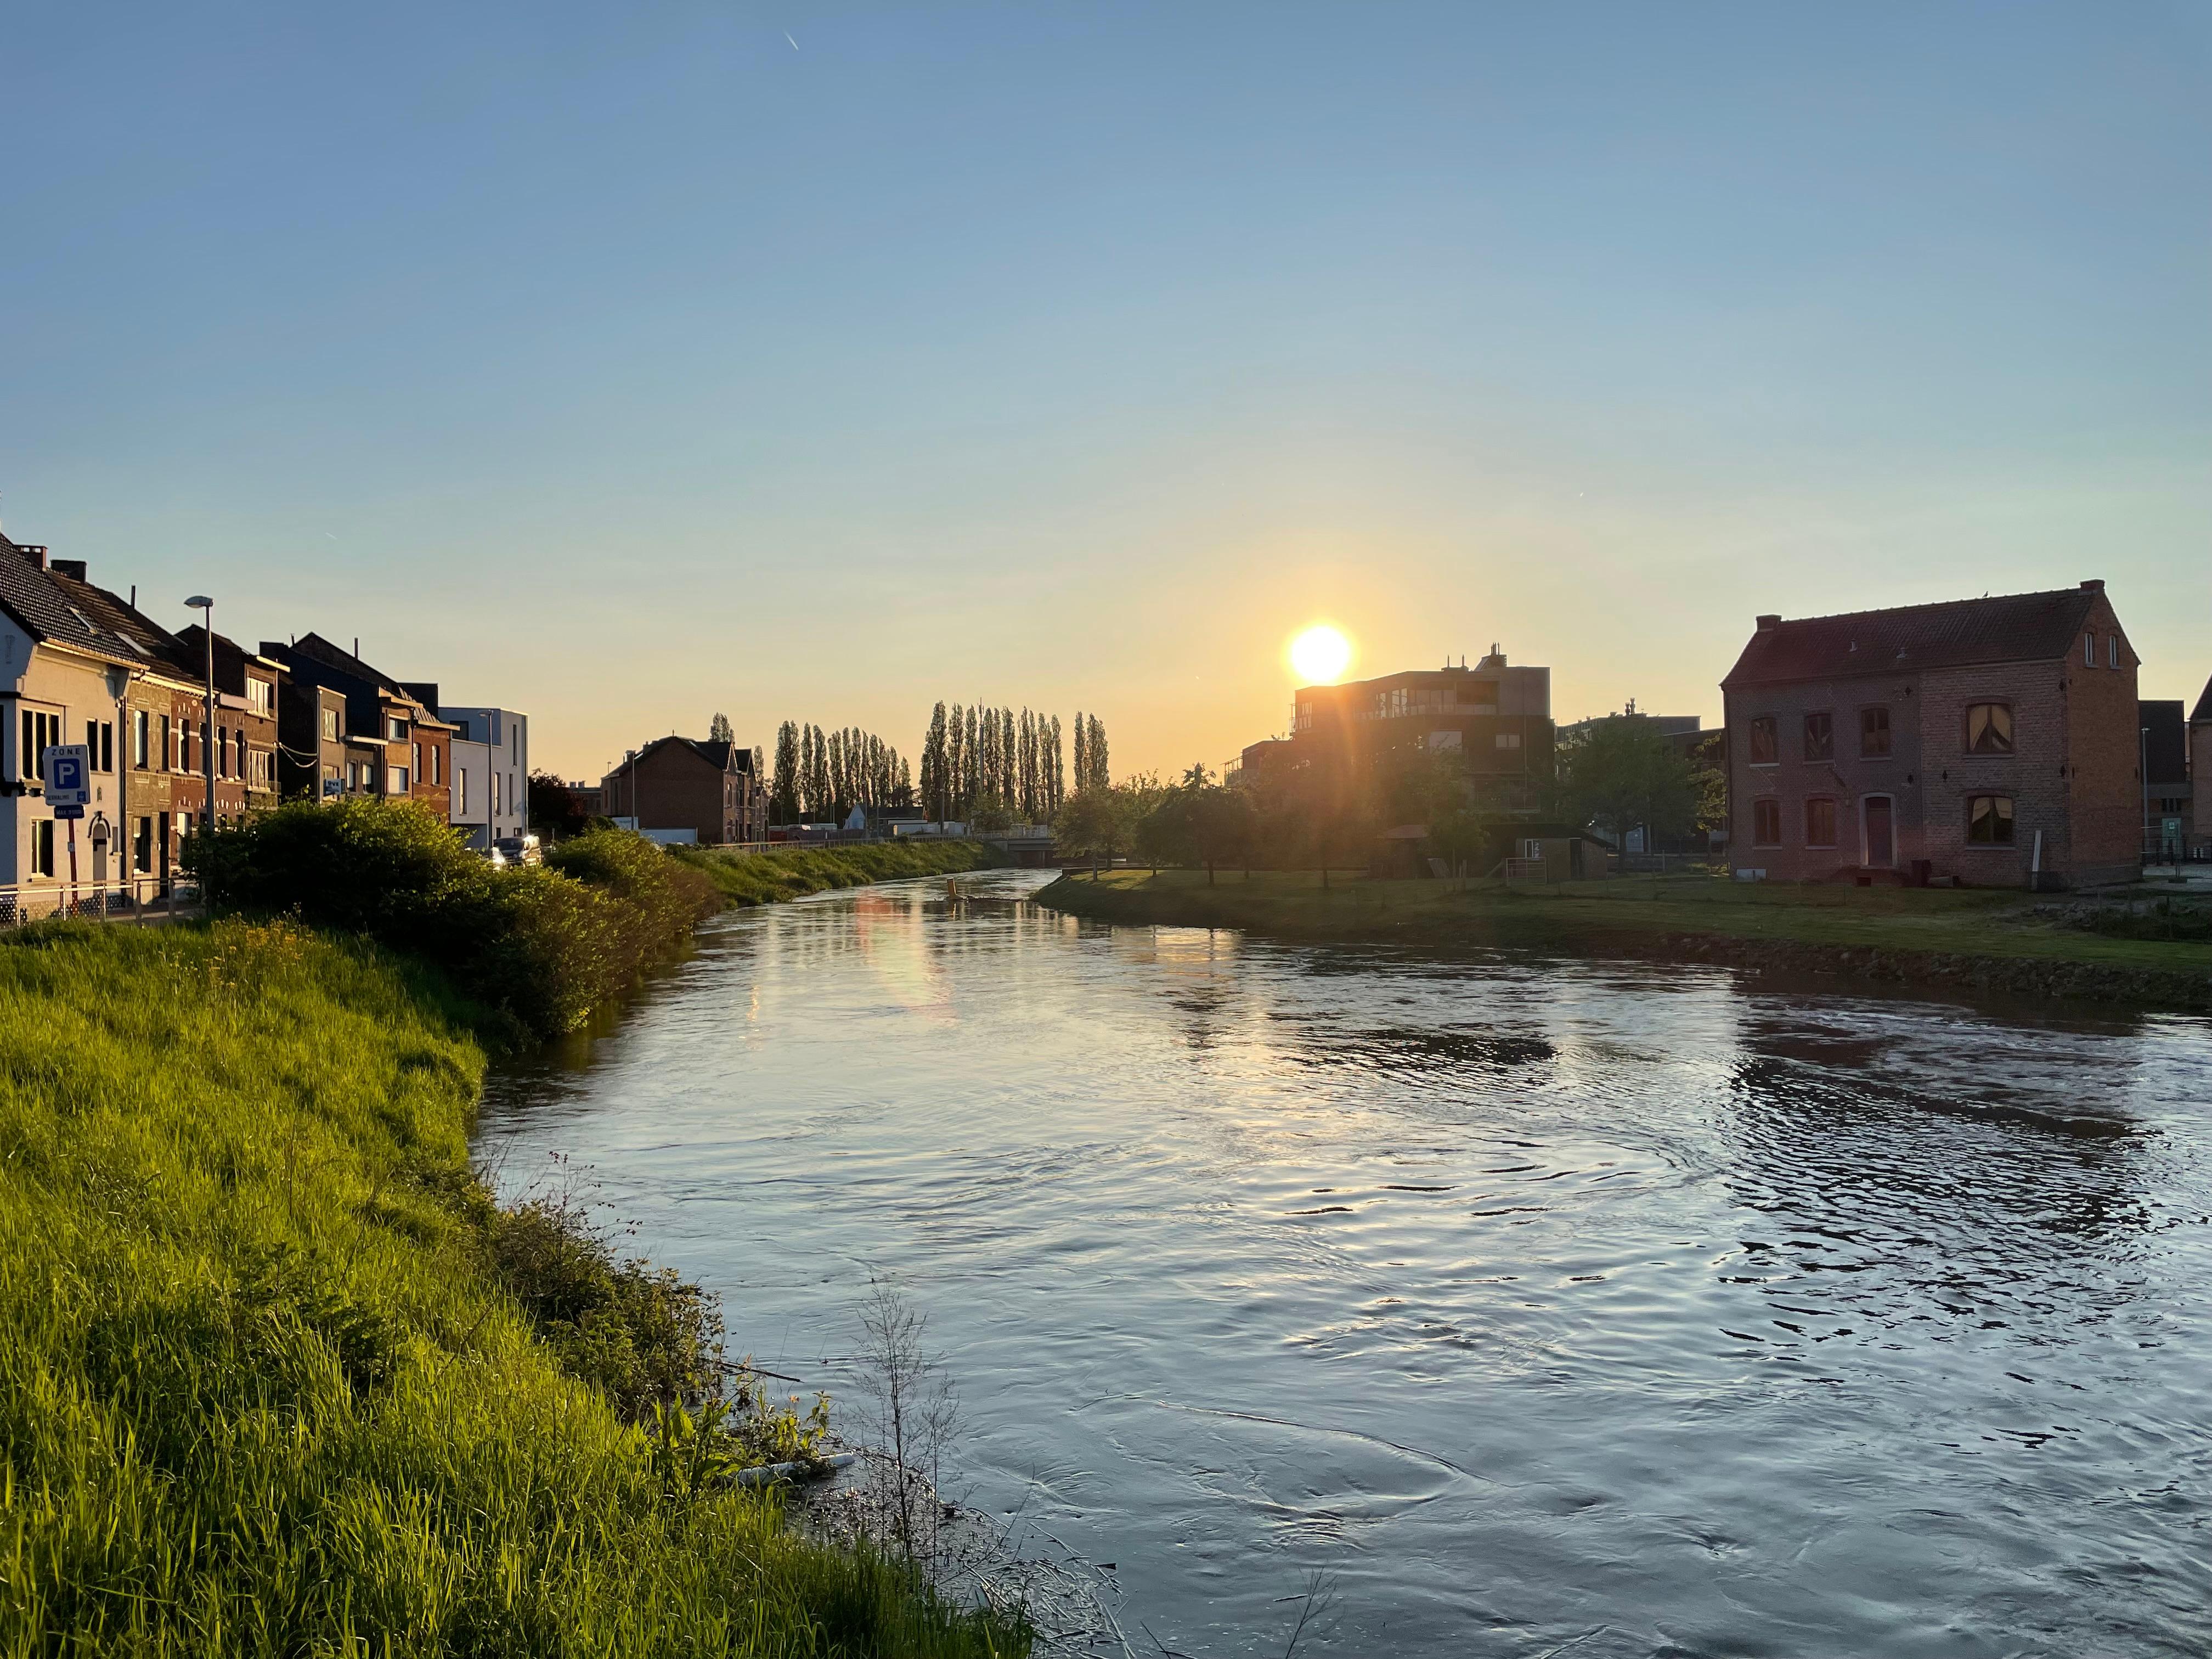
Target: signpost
point(68, 791)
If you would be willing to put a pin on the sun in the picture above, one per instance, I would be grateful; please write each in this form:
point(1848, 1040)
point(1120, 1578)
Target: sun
point(1321, 654)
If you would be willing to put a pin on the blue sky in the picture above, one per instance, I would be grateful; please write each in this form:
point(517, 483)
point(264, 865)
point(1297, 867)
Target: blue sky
point(626, 364)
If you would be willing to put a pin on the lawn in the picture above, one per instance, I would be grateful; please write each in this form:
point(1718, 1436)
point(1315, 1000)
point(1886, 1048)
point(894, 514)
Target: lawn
point(1625, 912)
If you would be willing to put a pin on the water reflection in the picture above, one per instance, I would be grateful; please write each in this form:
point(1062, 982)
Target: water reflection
point(1643, 1309)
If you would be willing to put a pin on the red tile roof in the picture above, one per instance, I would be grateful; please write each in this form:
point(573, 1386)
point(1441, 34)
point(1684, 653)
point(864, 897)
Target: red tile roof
point(2009, 628)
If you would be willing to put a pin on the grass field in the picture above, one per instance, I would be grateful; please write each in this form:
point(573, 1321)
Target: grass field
point(1629, 914)
point(261, 1390)
point(771, 878)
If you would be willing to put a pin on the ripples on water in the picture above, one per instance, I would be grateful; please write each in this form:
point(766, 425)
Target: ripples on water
point(1534, 1301)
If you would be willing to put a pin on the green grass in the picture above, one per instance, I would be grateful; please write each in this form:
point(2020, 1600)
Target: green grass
point(1624, 913)
point(771, 878)
point(261, 1389)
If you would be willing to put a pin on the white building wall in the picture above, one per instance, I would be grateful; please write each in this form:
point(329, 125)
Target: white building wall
point(75, 690)
point(504, 733)
point(470, 796)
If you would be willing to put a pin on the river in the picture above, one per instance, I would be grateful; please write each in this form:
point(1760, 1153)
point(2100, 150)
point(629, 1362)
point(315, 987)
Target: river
point(1636, 1307)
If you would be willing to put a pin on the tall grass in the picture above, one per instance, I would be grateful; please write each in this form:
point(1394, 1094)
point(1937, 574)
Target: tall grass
point(262, 1392)
point(746, 878)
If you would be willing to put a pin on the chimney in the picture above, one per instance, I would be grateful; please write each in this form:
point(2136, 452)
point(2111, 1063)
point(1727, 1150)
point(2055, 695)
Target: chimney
point(71, 568)
point(2095, 585)
point(1767, 624)
point(37, 555)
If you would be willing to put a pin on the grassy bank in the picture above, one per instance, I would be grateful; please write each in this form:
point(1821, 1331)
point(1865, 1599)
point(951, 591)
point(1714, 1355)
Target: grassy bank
point(268, 1384)
point(1985, 939)
point(771, 878)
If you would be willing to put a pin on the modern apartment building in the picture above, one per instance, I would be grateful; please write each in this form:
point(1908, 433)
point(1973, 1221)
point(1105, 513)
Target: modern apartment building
point(491, 776)
point(1495, 718)
point(1989, 741)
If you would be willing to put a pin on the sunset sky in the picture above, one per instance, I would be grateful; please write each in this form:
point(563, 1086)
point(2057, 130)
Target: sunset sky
point(626, 364)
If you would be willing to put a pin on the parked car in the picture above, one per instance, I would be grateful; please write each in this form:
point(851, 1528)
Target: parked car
point(519, 849)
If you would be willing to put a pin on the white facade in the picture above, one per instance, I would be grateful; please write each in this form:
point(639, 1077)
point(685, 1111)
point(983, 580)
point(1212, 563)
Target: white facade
point(48, 694)
point(503, 735)
point(471, 798)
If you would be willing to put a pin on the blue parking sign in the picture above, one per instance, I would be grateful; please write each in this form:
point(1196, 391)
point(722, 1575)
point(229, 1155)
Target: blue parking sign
point(69, 775)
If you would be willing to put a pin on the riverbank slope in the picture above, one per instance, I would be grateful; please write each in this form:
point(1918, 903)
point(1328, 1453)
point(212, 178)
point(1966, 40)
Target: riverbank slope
point(746, 878)
point(1961, 939)
point(269, 1380)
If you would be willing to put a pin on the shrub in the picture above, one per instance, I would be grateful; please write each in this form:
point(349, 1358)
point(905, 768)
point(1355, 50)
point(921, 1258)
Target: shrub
point(539, 946)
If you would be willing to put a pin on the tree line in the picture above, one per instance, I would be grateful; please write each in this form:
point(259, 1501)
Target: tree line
point(820, 776)
point(1619, 775)
point(993, 767)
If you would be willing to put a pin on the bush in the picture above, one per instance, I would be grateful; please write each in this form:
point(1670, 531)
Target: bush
point(540, 947)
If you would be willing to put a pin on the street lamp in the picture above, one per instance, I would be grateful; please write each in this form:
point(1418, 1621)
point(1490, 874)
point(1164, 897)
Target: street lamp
point(205, 606)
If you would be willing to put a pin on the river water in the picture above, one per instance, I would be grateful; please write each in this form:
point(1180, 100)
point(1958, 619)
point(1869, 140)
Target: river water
point(1637, 1307)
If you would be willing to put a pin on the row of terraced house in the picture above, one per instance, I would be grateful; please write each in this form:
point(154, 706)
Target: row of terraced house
point(186, 728)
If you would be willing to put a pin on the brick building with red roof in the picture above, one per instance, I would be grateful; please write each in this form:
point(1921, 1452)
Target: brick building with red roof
point(1990, 741)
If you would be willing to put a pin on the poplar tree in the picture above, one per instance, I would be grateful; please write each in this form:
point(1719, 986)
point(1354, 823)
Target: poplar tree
point(1055, 780)
point(1094, 748)
point(784, 804)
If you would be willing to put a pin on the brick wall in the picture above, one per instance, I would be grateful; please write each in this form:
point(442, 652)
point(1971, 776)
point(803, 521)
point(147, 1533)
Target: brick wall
point(2104, 775)
point(1847, 779)
point(2033, 776)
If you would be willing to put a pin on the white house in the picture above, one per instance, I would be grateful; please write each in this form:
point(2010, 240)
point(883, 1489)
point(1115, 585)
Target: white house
point(503, 736)
point(64, 679)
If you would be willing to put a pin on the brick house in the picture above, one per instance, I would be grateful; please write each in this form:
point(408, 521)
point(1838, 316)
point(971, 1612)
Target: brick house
point(2200, 770)
point(1990, 741)
point(2166, 812)
point(675, 784)
point(393, 745)
point(248, 689)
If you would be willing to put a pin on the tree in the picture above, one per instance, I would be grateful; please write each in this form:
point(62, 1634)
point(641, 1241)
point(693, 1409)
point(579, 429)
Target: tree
point(1092, 824)
point(1055, 778)
point(554, 808)
point(719, 730)
point(783, 804)
point(1094, 752)
point(1081, 753)
point(1620, 774)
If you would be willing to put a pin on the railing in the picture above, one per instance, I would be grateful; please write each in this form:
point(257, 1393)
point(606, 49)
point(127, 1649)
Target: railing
point(134, 899)
point(1524, 869)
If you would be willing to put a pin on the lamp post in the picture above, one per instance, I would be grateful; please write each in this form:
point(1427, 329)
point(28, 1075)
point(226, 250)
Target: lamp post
point(205, 606)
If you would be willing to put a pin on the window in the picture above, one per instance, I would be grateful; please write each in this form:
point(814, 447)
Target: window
point(1766, 823)
point(41, 730)
point(1989, 729)
point(1509, 739)
point(494, 791)
point(437, 764)
point(2088, 651)
point(142, 845)
point(1820, 822)
point(415, 750)
point(141, 745)
point(2112, 650)
point(461, 791)
point(1988, 820)
point(1819, 737)
point(261, 694)
point(395, 780)
point(395, 729)
point(168, 745)
point(329, 726)
point(222, 751)
point(1763, 752)
point(42, 848)
point(1873, 732)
